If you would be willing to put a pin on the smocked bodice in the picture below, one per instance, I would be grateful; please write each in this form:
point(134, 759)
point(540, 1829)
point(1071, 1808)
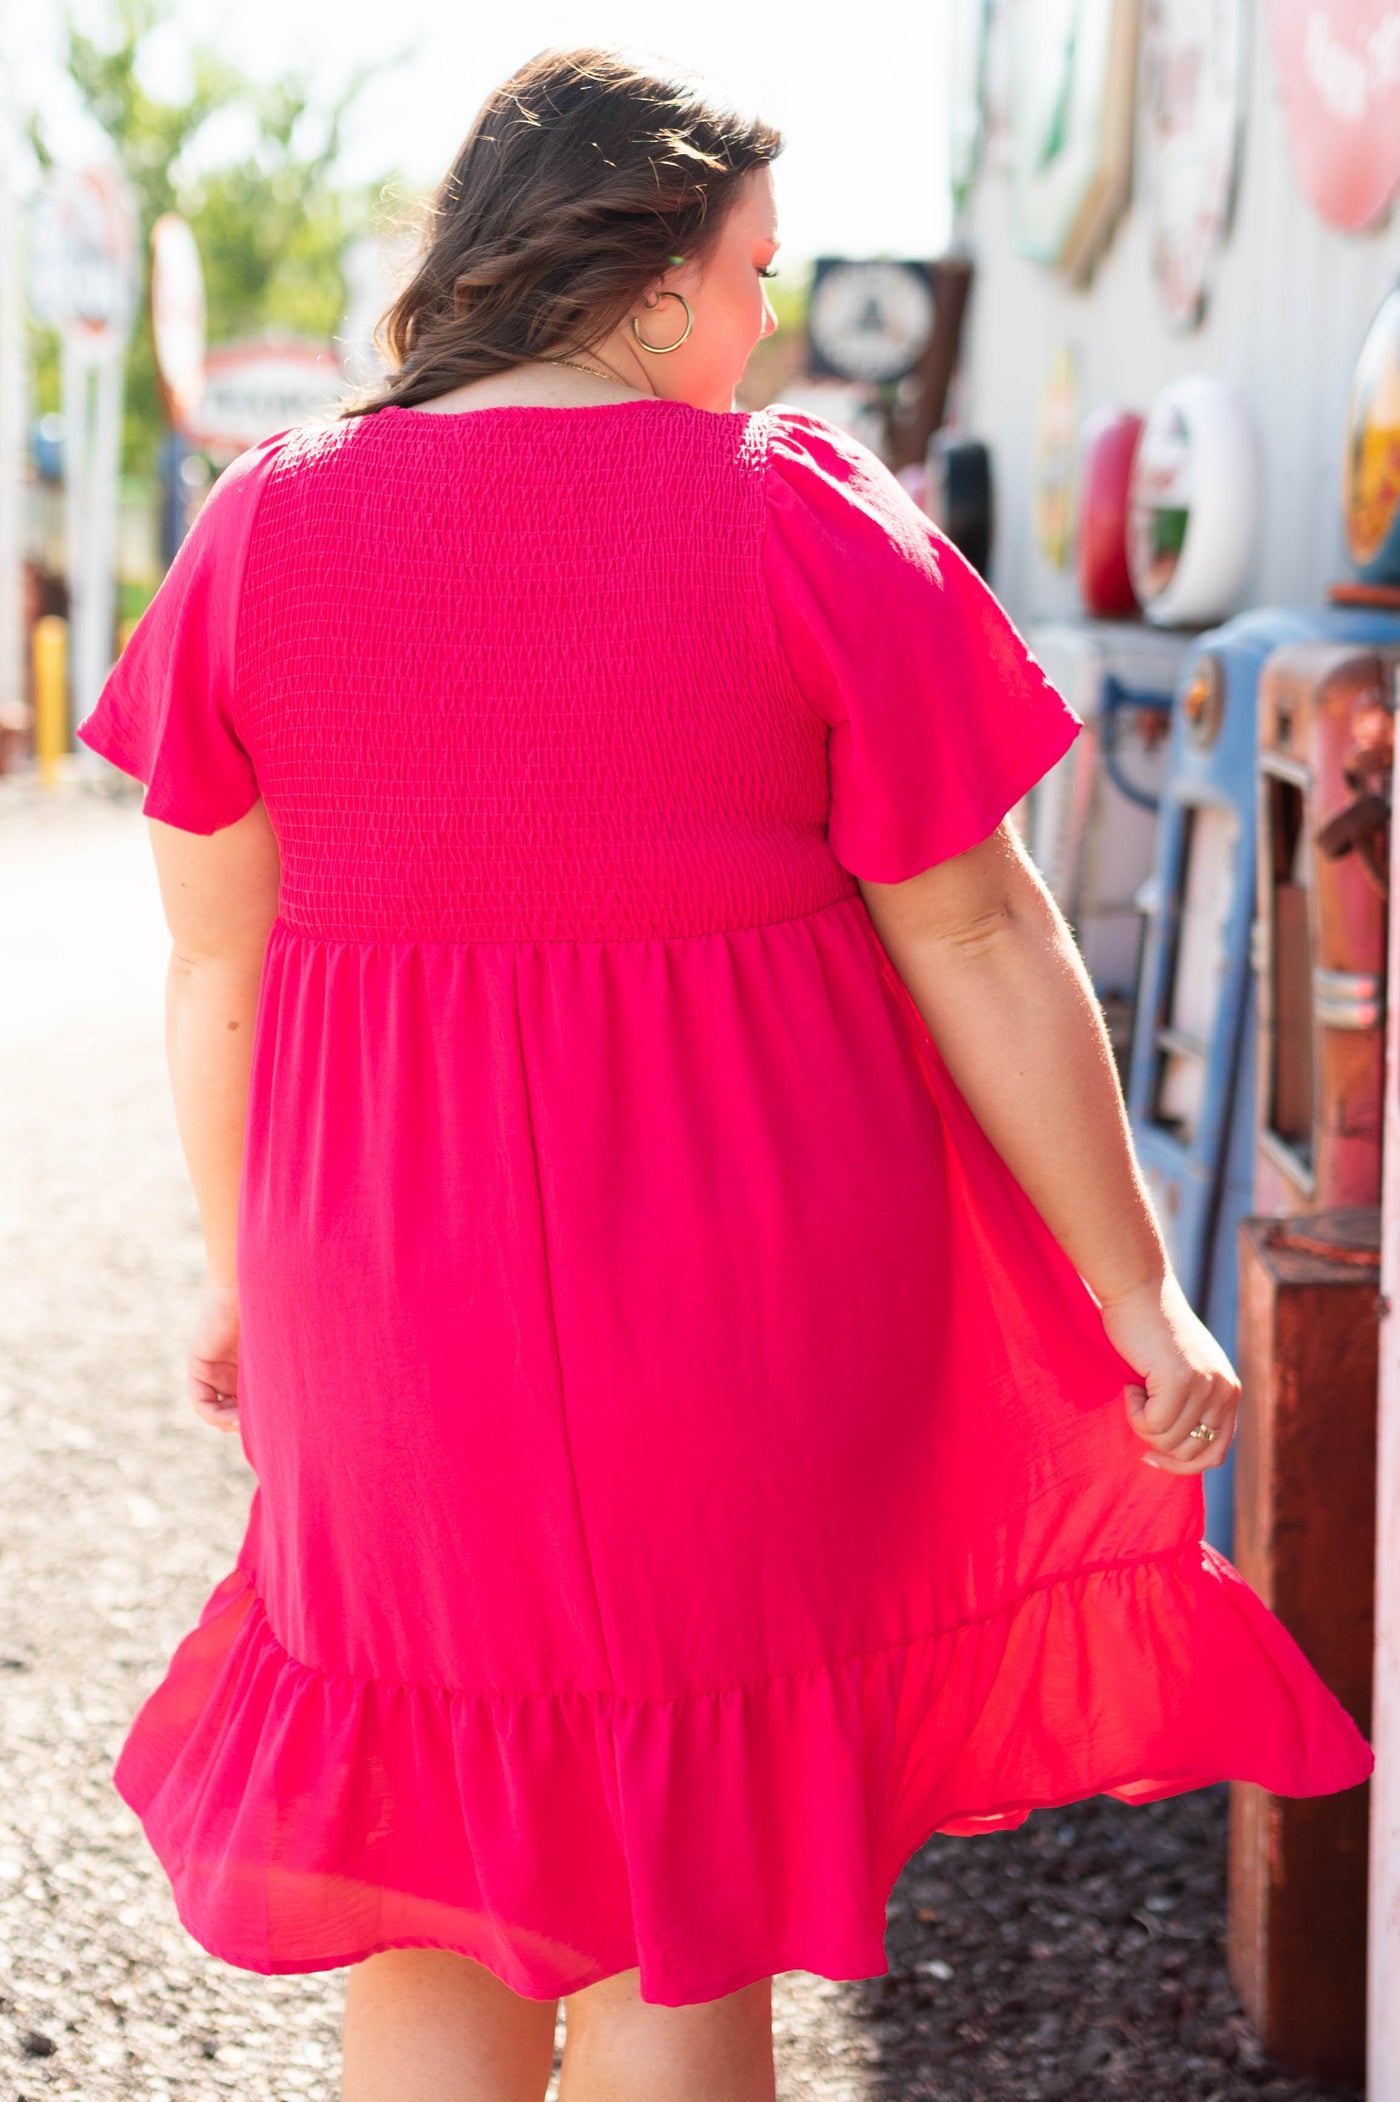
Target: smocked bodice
point(603, 739)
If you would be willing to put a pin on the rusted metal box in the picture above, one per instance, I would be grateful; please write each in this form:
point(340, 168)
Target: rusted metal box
point(1305, 1494)
point(1326, 752)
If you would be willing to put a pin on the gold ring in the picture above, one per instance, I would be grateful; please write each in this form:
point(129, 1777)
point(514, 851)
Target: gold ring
point(1203, 1430)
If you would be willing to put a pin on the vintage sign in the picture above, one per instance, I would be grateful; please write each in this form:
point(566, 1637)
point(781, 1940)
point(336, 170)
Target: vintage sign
point(82, 260)
point(868, 320)
point(1073, 66)
point(967, 88)
point(263, 384)
point(1195, 68)
point(1194, 502)
point(996, 97)
point(1338, 66)
point(1053, 463)
point(1107, 444)
point(1371, 456)
point(177, 317)
point(83, 283)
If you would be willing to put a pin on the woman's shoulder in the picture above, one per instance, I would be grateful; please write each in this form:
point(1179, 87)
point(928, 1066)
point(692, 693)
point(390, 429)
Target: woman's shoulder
point(301, 453)
point(234, 492)
point(296, 452)
point(210, 562)
point(822, 479)
point(801, 440)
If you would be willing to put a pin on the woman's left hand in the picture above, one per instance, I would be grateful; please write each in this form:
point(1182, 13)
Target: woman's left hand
point(213, 1361)
point(1187, 1379)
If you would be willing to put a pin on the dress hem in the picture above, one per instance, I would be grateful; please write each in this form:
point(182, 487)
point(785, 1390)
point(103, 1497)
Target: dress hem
point(307, 1821)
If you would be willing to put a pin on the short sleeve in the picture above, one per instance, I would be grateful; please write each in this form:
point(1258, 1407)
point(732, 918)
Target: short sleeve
point(166, 713)
point(940, 717)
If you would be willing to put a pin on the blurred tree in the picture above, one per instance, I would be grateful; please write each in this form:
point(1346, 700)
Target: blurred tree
point(271, 219)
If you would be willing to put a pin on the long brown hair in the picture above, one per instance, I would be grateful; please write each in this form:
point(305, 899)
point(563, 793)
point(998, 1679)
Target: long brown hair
point(582, 179)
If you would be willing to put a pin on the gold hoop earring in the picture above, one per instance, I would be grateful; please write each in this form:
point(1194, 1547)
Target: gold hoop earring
point(660, 349)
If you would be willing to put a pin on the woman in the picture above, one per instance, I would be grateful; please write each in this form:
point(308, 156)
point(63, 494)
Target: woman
point(675, 1254)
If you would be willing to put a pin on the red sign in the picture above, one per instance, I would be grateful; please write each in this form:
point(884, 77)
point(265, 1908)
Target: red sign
point(1339, 70)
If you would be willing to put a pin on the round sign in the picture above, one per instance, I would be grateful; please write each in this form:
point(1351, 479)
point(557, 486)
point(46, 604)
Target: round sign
point(1107, 442)
point(1371, 461)
point(1193, 502)
point(177, 317)
point(1339, 74)
point(1071, 103)
point(82, 260)
point(1052, 468)
point(1194, 72)
point(261, 385)
point(869, 321)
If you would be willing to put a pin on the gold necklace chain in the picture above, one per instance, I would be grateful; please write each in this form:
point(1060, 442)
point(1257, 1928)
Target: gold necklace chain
point(581, 368)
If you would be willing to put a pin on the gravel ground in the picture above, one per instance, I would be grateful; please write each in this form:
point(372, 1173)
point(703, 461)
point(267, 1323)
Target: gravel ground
point(1079, 1957)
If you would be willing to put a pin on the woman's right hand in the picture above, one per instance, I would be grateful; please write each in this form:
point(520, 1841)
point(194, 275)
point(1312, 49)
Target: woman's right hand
point(213, 1361)
point(1187, 1379)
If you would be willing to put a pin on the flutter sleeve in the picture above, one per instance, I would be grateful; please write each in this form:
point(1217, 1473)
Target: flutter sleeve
point(167, 714)
point(940, 717)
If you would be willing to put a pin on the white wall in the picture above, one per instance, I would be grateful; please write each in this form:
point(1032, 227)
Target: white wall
point(1291, 303)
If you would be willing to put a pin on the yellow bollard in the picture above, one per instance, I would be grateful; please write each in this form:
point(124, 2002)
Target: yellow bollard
point(50, 658)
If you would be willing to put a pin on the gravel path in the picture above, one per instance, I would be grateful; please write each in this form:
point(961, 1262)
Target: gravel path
point(1077, 1958)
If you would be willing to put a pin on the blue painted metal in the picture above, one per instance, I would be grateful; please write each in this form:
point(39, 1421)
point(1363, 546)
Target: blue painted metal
point(1116, 699)
point(1201, 1183)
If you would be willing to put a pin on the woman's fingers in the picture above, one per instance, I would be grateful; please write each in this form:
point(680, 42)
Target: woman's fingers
point(1185, 1379)
point(1165, 1421)
point(1195, 1455)
point(1207, 1399)
point(213, 1358)
point(221, 1416)
point(214, 1391)
point(1156, 1413)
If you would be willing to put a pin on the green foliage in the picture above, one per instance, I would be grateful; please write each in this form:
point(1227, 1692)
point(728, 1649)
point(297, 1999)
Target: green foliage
point(270, 222)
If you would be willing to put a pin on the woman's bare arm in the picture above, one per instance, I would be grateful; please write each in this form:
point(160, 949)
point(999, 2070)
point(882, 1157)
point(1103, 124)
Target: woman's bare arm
point(1001, 985)
point(995, 972)
point(219, 895)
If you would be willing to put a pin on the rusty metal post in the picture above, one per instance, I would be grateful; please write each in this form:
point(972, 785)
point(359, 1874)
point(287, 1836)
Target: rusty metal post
point(1305, 1494)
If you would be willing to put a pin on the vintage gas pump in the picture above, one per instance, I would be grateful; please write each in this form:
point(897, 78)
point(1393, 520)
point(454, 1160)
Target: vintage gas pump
point(1307, 1347)
point(1326, 751)
point(1191, 1079)
point(1091, 823)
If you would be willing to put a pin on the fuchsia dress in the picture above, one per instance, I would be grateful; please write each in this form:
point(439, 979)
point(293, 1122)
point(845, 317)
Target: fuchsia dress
point(689, 1472)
